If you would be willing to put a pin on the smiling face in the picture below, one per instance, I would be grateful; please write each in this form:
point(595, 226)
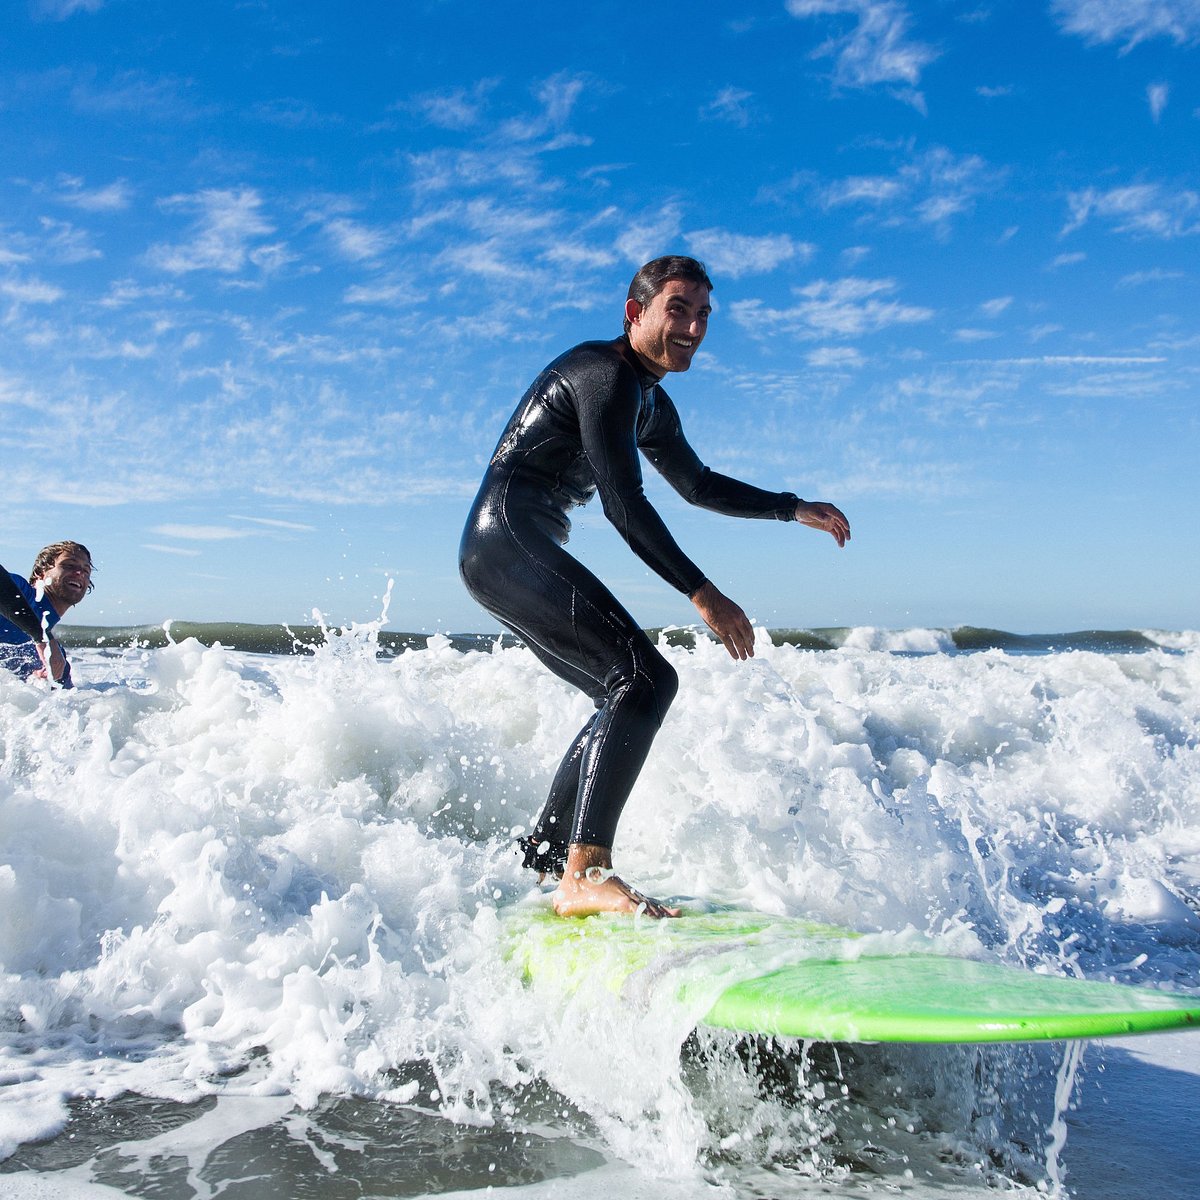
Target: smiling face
point(666, 332)
point(68, 579)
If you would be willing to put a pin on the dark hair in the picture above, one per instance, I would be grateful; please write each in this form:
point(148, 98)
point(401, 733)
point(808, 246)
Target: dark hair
point(653, 277)
point(47, 556)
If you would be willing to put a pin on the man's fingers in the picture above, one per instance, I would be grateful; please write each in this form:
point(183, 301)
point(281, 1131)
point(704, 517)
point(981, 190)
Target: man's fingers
point(739, 641)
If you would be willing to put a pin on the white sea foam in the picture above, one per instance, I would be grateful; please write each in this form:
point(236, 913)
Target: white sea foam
point(234, 874)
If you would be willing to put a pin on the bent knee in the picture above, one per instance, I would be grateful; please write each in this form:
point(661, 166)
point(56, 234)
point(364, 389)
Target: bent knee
point(654, 681)
point(666, 682)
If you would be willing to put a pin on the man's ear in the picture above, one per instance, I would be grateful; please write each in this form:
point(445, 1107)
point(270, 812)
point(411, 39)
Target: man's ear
point(633, 311)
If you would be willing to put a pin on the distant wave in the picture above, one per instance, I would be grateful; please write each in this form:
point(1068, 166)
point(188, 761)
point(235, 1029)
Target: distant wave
point(303, 639)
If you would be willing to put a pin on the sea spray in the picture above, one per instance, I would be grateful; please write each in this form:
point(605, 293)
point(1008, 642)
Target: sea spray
point(230, 874)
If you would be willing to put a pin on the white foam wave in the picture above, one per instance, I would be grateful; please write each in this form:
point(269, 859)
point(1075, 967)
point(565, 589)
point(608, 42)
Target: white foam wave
point(229, 873)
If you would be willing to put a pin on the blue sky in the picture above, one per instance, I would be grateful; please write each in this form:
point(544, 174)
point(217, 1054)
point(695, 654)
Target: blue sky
point(274, 274)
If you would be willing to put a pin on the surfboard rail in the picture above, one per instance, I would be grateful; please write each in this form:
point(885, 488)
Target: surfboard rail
point(784, 977)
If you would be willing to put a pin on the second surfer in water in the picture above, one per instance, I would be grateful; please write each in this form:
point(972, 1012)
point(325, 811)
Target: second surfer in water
point(578, 431)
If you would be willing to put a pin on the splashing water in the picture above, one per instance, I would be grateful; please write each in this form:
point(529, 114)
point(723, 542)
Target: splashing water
point(244, 879)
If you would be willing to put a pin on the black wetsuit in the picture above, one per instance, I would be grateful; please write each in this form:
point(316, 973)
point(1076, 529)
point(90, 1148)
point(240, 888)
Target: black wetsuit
point(577, 431)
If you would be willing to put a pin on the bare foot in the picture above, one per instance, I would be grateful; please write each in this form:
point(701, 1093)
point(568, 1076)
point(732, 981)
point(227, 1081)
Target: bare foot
point(589, 885)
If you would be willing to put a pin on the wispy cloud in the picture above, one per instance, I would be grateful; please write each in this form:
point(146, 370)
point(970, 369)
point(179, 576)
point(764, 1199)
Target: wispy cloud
point(877, 50)
point(200, 533)
point(66, 243)
point(931, 187)
point(839, 308)
point(357, 242)
point(557, 97)
point(60, 10)
point(1157, 95)
point(1148, 209)
point(993, 308)
point(223, 235)
point(290, 113)
point(731, 105)
point(111, 198)
point(276, 523)
point(134, 93)
point(1129, 21)
point(646, 237)
point(734, 254)
point(835, 358)
point(1154, 275)
point(458, 108)
point(30, 291)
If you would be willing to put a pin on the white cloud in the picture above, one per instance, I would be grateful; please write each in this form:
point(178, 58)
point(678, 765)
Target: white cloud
point(10, 255)
point(136, 94)
point(1038, 332)
point(1154, 275)
point(30, 291)
point(877, 50)
point(835, 358)
point(182, 551)
point(290, 113)
point(200, 533)
point(863, 189)
point(557, 97)
point(839, 308)
point(60, 10)
point(355, 241)
point(736, 254)
point(1157, 95)
point(276, 523)
point(509, 168)
point(387, 294)
point(731, 105)
point(1140, 208)
point(1130, 21)
point(126, 291)
point(67, 244)
point(222, 235)
point(935, 185)
point(112, 197)
point(649, 237)
point(456, 108)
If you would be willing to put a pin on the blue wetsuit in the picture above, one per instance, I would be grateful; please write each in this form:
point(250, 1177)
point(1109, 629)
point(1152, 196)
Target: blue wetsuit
point(17, 650)
point(577, 431)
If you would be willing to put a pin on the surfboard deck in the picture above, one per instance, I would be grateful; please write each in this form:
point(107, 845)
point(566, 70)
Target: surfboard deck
point(785, 977)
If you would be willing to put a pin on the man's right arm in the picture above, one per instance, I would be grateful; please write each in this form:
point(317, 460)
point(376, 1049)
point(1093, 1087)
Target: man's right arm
point(15, 607)
point(607, 412)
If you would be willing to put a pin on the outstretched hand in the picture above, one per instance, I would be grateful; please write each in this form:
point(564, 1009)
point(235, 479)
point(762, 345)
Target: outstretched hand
point(726, 619)
point(817, 514)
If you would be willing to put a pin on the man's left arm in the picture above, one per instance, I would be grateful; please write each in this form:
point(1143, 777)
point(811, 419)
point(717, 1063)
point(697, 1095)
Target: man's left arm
point(665, 445)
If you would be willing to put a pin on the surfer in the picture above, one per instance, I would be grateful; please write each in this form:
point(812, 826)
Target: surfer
point(29, 609)
point(577, 431)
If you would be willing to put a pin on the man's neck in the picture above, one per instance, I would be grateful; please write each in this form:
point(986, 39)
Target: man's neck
point(61, 607)
point(648, 370)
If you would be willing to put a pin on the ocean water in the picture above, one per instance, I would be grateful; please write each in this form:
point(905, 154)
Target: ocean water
point(251, 901)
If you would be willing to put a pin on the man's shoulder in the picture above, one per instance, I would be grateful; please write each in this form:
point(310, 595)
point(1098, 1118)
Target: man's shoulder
point(595, 362)
point(10, 635)
point(593, 353)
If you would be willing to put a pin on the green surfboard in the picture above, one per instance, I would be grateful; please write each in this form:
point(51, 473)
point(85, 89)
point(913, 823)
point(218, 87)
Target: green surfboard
point(785, 977)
